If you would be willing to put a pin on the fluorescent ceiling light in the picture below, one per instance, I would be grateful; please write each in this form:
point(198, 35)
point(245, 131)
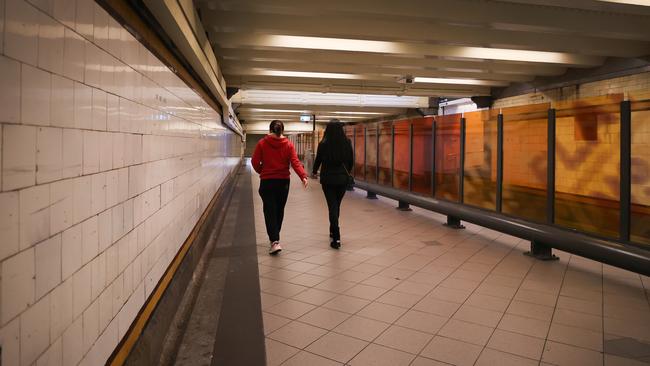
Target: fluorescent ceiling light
point(278, 110)
point(456, 81)
point(335, 44)
point(358, 45)
point(630, 2)
point(358, 113)
point(304, 74)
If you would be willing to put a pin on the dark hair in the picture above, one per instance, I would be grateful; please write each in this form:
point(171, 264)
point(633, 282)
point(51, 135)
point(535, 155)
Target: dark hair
point(337, 144)
point(276, 127)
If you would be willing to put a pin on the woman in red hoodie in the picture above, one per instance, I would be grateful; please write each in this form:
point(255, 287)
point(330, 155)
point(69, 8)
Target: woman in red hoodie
point(271, 160)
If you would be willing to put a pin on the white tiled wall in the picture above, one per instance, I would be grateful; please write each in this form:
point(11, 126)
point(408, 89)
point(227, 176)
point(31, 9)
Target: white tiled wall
point(107, 160)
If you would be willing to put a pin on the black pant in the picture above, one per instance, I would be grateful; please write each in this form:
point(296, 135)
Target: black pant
point(274, 193)
point(334, 195)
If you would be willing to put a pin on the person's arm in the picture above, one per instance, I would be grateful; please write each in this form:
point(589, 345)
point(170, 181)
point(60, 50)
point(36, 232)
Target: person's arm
point(257, 158)
point(318, 160)
point(296, 164)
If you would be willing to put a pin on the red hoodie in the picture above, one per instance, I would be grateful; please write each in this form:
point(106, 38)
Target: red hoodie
point(272, 157)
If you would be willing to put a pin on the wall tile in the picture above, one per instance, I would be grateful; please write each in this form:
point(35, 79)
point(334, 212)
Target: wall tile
point(99, 110)
point(105, 308)
point(100, 19)
point(81, 290)
point(18, 156)
point(122, 184)
point(90, 325)
point(91, 152)
point(84, 20)
point(50, 45)
point(9, 90)
point(90, 239)
point(10, 340)
point(82, 199)
point(73, 343)
point(53, 356)
point(60, 308)
point(36, 87)
point(112, 177)
point(118, 150)
point(112, 113)
point(98, 200)
point(48, 265)
point(105, 151)
point(64, 12)
point(92, 72)
point(98, 275)
point(105, 229)
point(9, 224)
point(17, 284)
point(118, 294)
point(83, 97)
point(62, 102)
point(74, 55)
point(128, 215)
point(2, 25)
point(21, 32)
point(34, 332)
point(71, 251)
point(61, 205)
point(72, 153)
point(34, 215)
point(117, 217)
point(111, 263)
point(49, 154)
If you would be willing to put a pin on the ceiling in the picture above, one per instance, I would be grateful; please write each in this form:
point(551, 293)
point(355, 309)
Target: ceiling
point(452, 48)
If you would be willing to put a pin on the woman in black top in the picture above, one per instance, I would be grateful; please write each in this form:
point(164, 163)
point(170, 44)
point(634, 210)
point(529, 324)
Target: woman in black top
point(336, 156)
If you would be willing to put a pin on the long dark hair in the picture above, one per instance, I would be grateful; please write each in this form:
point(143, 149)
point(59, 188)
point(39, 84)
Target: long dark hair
point(276, 127)
point(337, 144)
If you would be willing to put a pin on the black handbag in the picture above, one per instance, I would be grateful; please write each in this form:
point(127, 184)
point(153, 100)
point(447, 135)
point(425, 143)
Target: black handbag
point(350, 177)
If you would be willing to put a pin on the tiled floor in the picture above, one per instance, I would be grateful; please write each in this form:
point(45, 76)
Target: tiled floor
point(406, 290)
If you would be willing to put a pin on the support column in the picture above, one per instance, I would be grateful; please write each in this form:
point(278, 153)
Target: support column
point(541, 251)
point(454, 223)
point(371, 195)
point(403, 206)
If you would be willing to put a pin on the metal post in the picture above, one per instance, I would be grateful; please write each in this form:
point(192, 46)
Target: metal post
point(461, 175)
point(626, 169)
point(550, 173)
point(354, 155)
point(541, 251)
point(371, 195)
point(392, 153)
point(365, 151)
point(499, 162)
point(411, 157)
point(433, 158)
point(377, 150)
point(454, 223)
point(403, 206)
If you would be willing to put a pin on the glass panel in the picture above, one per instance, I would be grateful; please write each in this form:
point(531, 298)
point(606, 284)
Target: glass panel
point(525, 146)
point(371, 153)
point(359, 152)
point(402, 155)
point(385, 153)
point(587, 171)
point(422, 155)
point(640, 217)
point(448, 157)
point(480, 160)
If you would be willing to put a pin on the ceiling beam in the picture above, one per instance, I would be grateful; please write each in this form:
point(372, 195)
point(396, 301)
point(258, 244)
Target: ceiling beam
point(405, 48)
point(380, 72)
point(361, 58)
point(347, 26)
point(501, 15)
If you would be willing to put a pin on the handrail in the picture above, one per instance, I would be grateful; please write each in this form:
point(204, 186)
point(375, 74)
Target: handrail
point(606, 251)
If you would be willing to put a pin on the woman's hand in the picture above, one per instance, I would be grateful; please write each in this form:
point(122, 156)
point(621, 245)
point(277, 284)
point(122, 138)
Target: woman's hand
point(305, 182)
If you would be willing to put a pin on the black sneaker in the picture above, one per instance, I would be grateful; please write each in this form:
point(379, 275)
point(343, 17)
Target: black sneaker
point(336, 244)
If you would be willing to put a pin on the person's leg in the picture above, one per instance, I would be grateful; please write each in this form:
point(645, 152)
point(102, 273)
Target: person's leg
point(281, 195)
point(269, 208)
point(330, 197)
point(339, 192)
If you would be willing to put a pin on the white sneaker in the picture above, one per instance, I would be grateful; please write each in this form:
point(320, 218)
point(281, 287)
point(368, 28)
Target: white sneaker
point(275, 248)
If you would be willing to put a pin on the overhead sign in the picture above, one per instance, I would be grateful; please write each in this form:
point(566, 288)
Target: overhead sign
point(305, 118)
